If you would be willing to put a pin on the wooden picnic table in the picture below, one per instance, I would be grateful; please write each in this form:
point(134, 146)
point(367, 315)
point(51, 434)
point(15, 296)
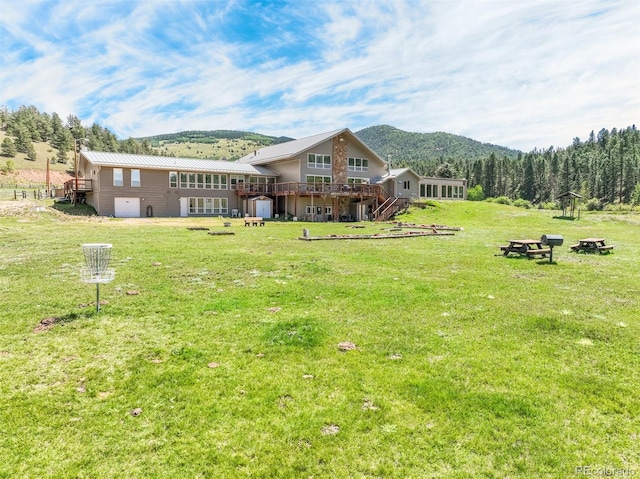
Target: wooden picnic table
point(525, 247)
point(591, 245)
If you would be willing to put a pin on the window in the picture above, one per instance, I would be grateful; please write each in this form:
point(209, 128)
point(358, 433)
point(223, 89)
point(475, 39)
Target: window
point(262, 179)
point(318, 179)
point(319, 161)
point(449, 192)
point(358, 181)
point(219, 182)
point(406, 185)
point(235, 180)
point(328, 210)
point(135, 178)
point(358, 164)
point(200, 180)
point(173, 179)
point(216, 206)
point(118, 177)
point(183, 180)
point(192, 180)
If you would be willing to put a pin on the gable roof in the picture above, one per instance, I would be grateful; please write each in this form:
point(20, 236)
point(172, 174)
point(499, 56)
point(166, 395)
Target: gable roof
point(290, 149)
point(287, 149)
point(128, 160)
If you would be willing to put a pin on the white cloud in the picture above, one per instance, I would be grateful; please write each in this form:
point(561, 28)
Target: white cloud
point(520, 74)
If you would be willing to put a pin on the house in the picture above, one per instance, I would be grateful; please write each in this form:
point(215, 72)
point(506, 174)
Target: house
point(332, 176)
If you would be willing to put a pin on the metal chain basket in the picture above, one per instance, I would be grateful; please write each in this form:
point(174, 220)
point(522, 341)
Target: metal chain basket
point(97, 257)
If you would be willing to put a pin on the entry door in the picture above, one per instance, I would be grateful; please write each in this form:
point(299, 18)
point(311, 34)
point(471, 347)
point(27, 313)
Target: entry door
point(263, 208)
point(126, 207)
point(184, 206)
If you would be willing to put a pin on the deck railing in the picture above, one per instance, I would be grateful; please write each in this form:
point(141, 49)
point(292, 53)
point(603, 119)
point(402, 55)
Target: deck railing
point(83, 185)
point(293, 188)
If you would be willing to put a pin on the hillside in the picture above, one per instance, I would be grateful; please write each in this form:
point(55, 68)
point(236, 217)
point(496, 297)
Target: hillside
point(424, 152)
point(214, 144)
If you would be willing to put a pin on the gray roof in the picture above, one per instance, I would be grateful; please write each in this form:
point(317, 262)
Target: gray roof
point(179, 164)
point(287, 150)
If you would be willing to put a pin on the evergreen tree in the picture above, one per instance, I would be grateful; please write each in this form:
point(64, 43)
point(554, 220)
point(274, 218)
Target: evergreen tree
point(528, 180)
point(8, 148)
point(31, 152)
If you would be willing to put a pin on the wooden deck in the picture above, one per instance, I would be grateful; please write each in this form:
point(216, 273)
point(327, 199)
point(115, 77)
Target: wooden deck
point(311, 189)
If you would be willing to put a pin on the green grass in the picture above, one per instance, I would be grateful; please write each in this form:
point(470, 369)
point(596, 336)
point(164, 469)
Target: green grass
point(468, 364)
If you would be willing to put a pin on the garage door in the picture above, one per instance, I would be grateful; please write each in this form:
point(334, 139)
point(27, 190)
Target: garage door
point(127, 207)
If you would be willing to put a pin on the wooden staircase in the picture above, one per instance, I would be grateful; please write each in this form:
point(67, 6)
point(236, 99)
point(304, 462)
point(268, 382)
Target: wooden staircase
point(388, 207)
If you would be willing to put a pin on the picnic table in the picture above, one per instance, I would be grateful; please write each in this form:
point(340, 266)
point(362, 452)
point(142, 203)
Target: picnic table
point(525, 247)
point(253, 221)
point(591, 245)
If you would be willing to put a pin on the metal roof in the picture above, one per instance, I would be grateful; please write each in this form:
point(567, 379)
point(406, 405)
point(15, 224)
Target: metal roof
point(169, 163)
point(287, 149)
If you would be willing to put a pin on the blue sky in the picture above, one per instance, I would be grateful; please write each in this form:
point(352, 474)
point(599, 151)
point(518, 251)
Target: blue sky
point(524, 74)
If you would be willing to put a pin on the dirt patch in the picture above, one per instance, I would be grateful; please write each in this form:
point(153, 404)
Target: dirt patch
point(46, 324)
point(37, 177)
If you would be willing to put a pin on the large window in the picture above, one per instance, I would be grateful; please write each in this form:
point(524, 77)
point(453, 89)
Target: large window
point(319, 161)
point(201, 181)
point(358, 181)
point(318, 179)
point(235, 180)
point(208, 206)
point(135, 178)
point(358, 164)
point(428, 191)
point(118, 177)
point(219, 182)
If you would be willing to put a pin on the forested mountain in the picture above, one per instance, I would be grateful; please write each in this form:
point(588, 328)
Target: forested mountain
point(604, 168)
point(424, 152)
point(213, 136)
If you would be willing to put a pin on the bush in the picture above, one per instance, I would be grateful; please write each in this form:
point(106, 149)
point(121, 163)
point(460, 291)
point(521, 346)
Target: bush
point(594, 204)
point(10, 167)
point(520, 203)
point(618, 207)
point(549, 205)
point(503, 200)
point(475, 193)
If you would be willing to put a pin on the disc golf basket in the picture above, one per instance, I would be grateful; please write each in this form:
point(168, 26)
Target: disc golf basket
point(96, 270)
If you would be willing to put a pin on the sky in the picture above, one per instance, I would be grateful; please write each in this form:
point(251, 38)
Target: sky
point(523, 74)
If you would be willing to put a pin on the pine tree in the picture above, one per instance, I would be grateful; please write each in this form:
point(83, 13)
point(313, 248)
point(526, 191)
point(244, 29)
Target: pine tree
point(8, 148)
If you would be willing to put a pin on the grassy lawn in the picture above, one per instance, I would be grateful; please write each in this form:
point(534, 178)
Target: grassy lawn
point(217, 356)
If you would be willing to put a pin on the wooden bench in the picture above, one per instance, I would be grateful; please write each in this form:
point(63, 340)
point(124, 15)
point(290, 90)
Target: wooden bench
point(253, 221)
point(575, 247)
point(605, 248)
point(542, 251)
point(504, 248)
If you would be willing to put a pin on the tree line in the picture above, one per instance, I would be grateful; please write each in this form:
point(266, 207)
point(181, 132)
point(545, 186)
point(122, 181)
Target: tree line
point(27, 125)
point(604, 168)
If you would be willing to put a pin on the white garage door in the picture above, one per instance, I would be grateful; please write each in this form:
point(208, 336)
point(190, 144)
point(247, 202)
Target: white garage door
point(263, 208)
point(127, 207)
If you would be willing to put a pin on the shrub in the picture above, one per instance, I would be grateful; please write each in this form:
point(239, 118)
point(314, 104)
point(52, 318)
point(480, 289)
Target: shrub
point(549, 205)
point(10, 167)
point(475, 193)
point(520, 203)
point(503, 200)
point(594, 204)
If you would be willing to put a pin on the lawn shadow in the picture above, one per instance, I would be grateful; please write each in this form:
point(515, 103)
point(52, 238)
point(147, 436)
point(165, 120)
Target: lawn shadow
point(52, 321)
